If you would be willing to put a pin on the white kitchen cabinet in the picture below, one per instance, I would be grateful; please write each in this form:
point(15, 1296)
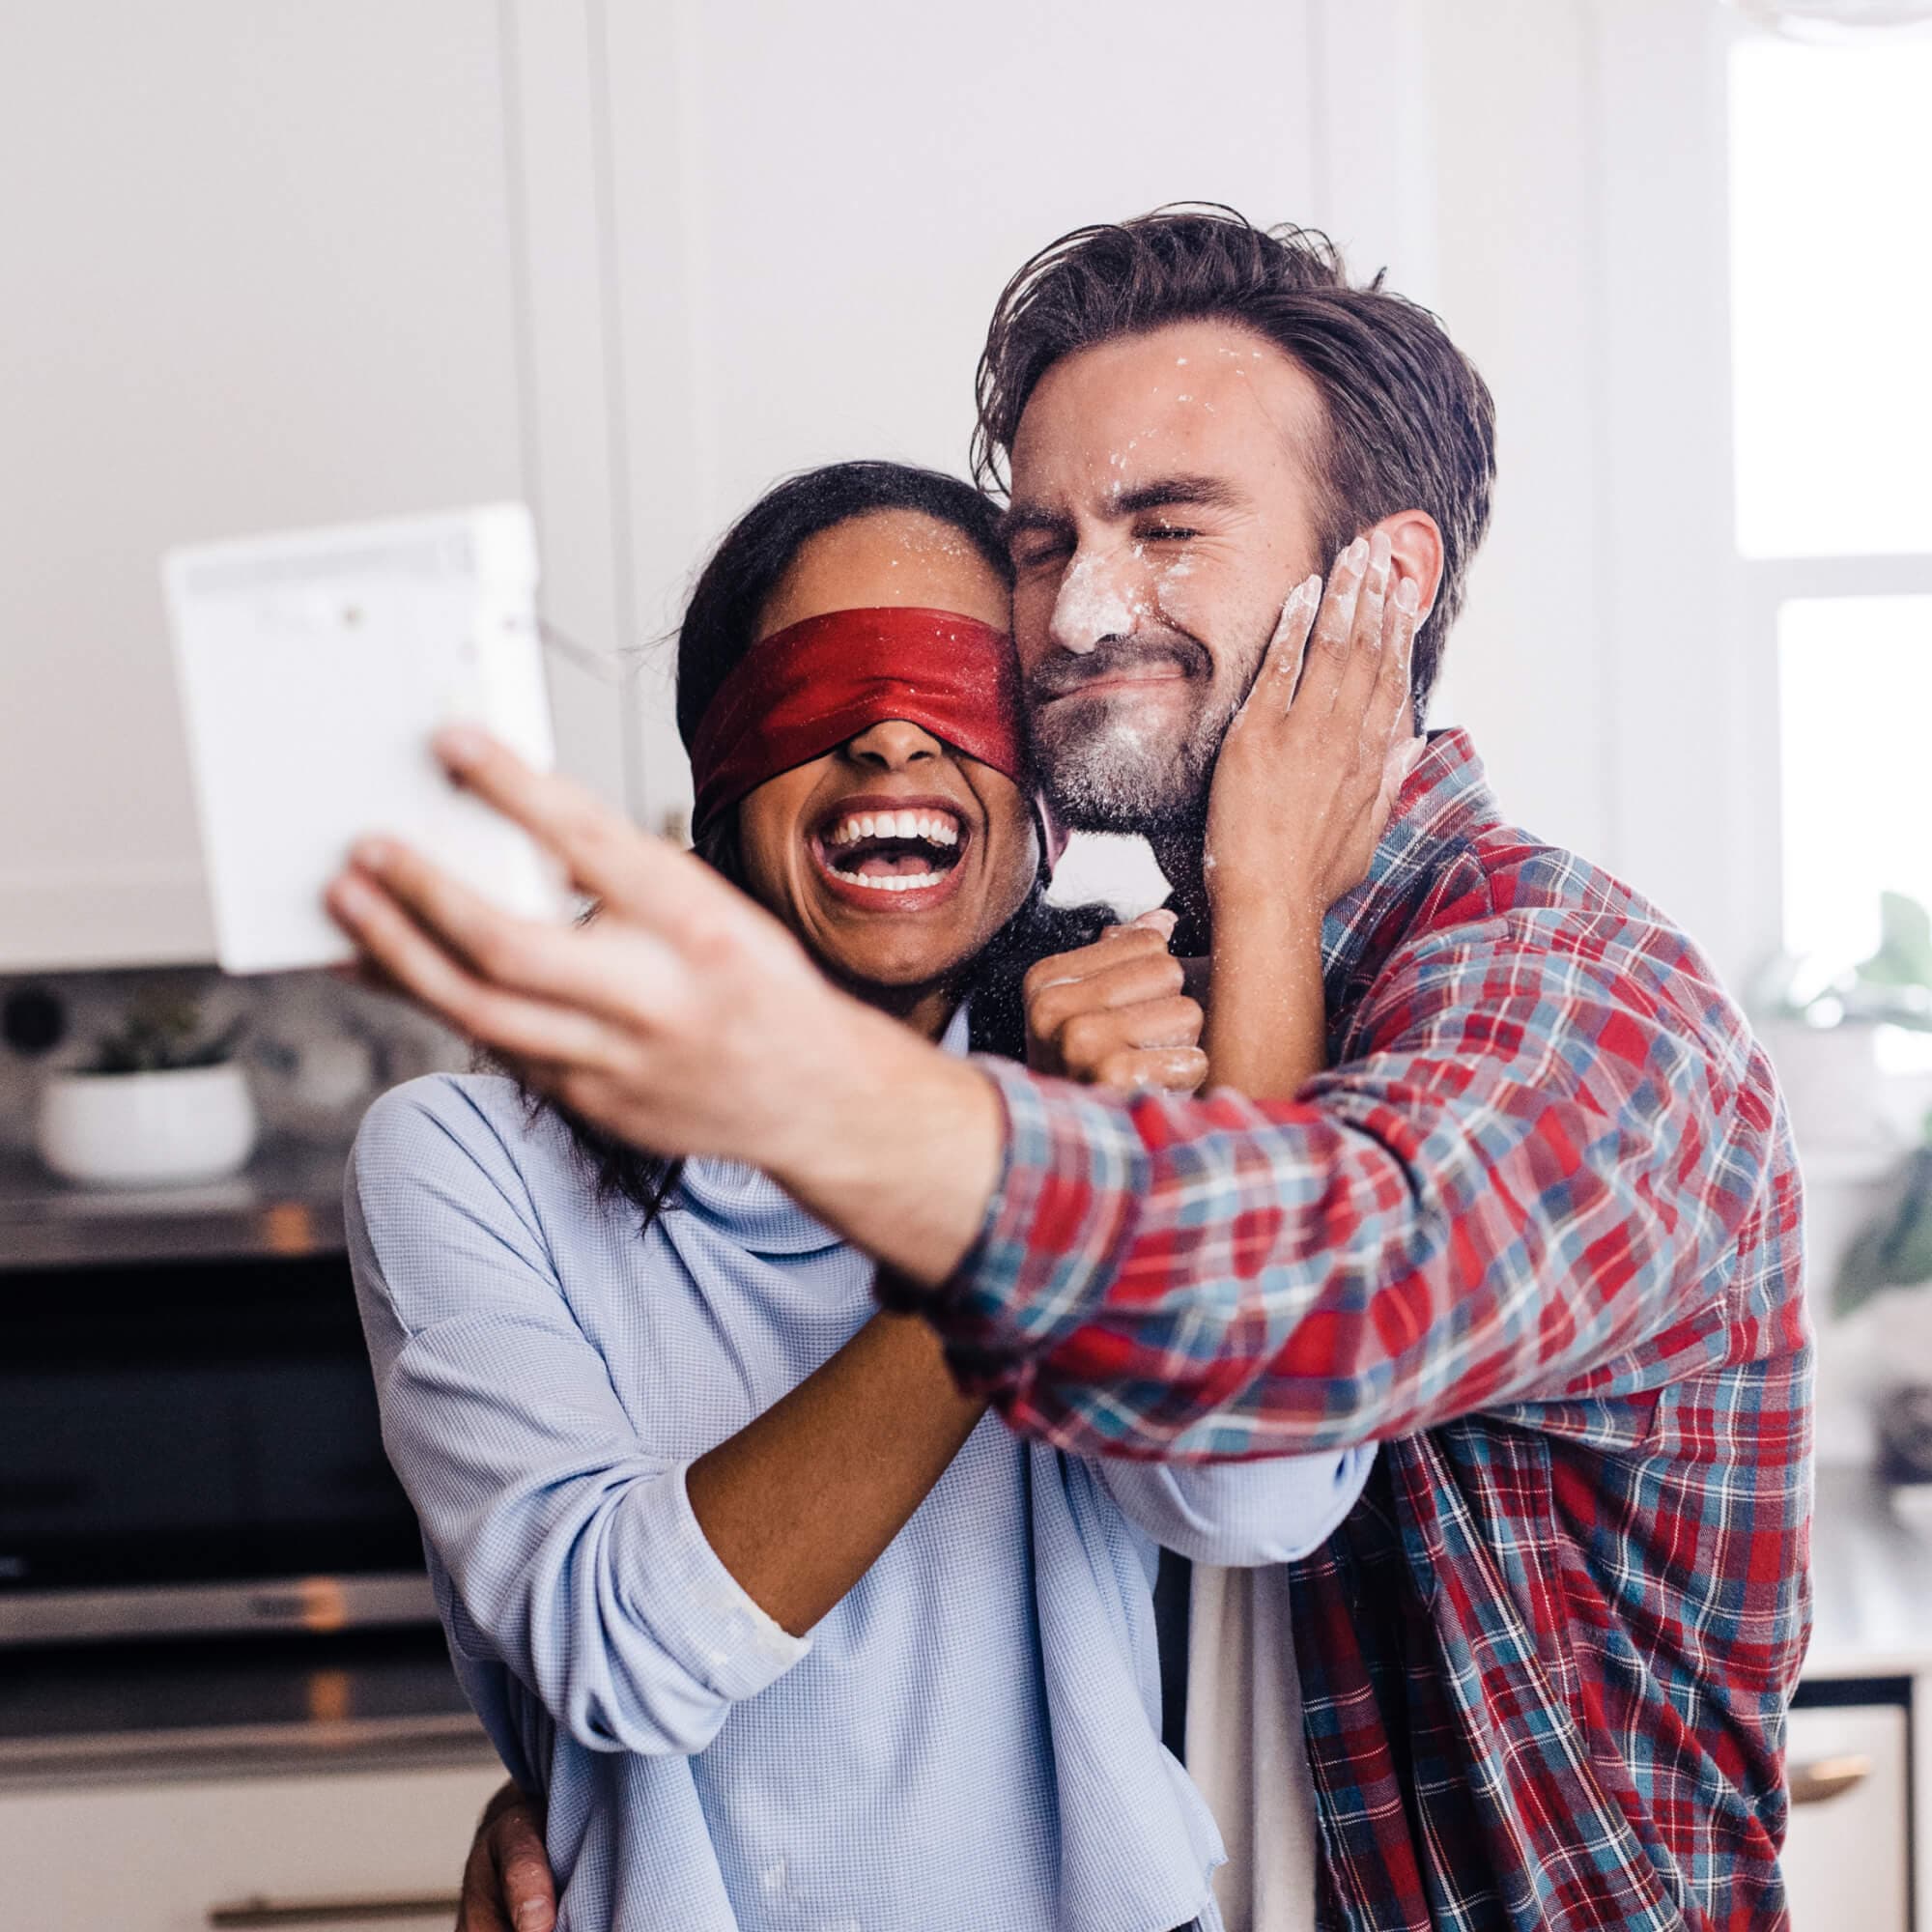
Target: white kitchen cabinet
point(1847, 1859)
point(266, 269)
point(162, 1856)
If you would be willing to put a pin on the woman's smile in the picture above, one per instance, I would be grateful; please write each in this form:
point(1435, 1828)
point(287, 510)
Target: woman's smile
point(891, 853)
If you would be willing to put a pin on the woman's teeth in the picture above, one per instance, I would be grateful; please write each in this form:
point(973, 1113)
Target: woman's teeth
point(891, 882)
point(934, 828)
point(892, 851)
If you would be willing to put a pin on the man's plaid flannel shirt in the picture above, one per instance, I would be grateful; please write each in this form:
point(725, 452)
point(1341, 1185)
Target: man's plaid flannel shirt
point(1537, 1233)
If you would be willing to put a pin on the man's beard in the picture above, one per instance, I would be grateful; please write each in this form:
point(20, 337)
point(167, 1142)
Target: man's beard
point(1105, 763)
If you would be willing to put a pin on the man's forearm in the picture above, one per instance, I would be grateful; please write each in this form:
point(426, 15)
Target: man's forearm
point(894, 1142)
point(1267, 1034)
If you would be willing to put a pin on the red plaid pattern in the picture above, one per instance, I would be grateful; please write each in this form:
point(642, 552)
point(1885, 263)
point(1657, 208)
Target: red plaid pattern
point(1536, 1233)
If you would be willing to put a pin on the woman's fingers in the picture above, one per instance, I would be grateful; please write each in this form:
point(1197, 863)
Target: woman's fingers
point(1143, 938)
point(425, 970)
point(1131, 981)
point(1330, 648)
point(1281, 664)
point(1167, 1070)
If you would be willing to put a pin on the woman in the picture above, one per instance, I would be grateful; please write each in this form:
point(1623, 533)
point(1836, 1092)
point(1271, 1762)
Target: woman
point(656, 1432)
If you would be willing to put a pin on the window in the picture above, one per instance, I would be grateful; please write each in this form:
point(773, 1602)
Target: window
point(1855, 674)
point(1831, 288)
point(1831, 299)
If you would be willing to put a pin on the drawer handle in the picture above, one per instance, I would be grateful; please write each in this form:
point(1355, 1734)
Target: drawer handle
point(253, 1915)
point(1827, 1777)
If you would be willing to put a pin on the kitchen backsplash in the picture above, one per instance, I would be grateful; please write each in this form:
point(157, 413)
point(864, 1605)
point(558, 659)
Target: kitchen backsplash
point(317, 1049)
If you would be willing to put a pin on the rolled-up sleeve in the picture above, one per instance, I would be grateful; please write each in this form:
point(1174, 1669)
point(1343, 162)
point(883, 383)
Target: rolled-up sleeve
point(573, 1554)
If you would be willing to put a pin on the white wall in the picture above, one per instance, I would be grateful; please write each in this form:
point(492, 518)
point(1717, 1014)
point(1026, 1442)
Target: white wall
point(638, 258)
point(1577, 164)
point(814, 212)
point(258, 276)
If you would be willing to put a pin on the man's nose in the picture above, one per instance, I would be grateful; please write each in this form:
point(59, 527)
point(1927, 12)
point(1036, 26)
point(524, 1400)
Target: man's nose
point(1098, 601)
point(892, 744)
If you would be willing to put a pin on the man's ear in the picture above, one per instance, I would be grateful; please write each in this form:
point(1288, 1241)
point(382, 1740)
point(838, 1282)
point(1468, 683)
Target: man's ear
point(1415, 545)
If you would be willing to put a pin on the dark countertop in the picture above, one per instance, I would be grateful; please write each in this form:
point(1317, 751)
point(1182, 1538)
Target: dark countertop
point(287, 1201)
point(217, 1706)
point(1871, 1566)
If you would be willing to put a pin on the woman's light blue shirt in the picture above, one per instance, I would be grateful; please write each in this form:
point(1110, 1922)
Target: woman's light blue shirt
point(969, 1742)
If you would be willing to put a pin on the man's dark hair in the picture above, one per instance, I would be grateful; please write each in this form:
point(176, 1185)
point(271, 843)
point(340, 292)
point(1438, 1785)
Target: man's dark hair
point(1410, 424)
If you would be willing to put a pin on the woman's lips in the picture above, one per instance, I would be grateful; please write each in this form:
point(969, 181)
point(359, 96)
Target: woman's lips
point(890, 901)
point(933, 828)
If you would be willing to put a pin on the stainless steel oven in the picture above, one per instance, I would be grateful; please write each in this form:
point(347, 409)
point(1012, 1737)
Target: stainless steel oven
point(189, 1437)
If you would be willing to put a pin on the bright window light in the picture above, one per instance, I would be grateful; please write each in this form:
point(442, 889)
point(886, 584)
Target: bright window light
point(1832, 298)
point(1855, 676)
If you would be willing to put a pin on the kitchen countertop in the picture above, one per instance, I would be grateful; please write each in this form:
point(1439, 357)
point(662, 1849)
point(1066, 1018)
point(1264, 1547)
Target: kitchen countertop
point(218, 1707)
point(287, 1201)
point(1871, 1567)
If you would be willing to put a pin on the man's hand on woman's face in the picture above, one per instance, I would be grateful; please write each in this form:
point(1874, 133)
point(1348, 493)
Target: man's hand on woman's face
point(1115, 1013)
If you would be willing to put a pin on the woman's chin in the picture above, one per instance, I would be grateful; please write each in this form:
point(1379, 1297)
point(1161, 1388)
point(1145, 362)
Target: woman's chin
point(901, 962)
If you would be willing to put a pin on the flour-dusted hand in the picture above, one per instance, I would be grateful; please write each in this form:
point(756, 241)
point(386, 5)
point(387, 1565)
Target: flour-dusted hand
point(1115, 1013)
point(1302, 792)
point(683, 1019)
point(1312, 762)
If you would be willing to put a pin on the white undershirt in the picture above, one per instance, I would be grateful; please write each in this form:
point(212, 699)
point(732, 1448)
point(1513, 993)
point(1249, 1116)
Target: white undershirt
point(1245, 1748)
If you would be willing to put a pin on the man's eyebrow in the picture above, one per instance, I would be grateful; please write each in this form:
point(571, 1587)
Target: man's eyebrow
point(1162, 492)
point(1205, 493)
point(1020, 519)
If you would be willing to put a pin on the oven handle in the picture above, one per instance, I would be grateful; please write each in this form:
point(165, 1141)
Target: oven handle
point(256, 1914)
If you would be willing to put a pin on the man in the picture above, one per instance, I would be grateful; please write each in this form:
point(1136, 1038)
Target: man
point(1535, 1232)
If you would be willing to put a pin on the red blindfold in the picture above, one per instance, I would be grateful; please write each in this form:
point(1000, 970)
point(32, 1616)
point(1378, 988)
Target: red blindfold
point(806, 690)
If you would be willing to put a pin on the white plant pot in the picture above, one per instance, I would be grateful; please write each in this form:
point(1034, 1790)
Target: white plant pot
point(1833, 1087)
point(147, 1129)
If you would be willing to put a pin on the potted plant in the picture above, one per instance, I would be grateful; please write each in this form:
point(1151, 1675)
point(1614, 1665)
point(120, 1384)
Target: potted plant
point(161, 1102)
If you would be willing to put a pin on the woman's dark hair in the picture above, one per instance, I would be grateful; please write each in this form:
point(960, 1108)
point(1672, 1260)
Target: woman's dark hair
point(721, 624)
point(1410, 424)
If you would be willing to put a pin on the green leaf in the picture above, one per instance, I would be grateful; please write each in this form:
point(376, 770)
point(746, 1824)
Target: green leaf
point(1895, 1249)
point(1904, 955)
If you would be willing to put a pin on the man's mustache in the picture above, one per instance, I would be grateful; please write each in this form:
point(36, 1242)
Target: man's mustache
point(1067, 672)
